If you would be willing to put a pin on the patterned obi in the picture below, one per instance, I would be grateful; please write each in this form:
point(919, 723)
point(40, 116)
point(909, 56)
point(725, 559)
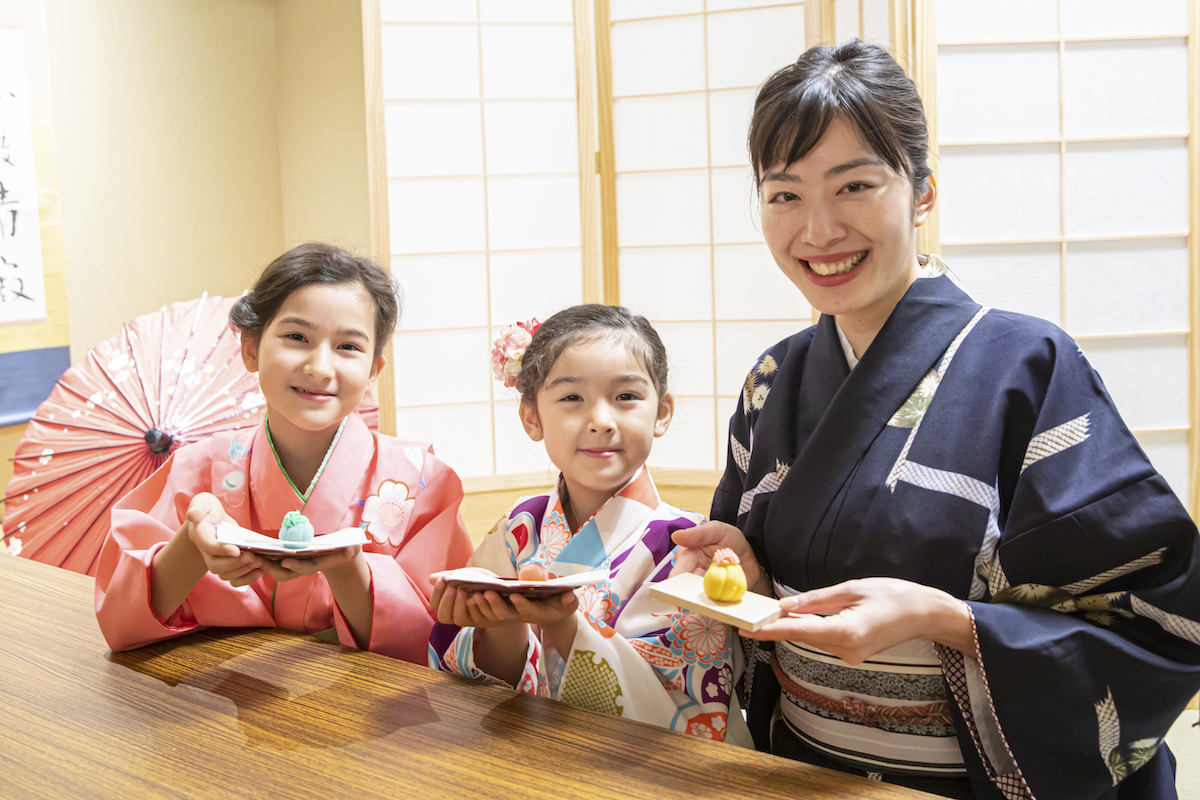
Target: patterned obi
point(889, 714)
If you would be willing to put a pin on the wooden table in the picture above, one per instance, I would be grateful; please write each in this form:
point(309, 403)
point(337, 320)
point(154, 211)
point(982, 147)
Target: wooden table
point(268, 713)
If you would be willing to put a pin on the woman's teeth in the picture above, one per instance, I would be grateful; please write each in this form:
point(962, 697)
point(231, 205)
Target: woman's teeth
point(838, 267)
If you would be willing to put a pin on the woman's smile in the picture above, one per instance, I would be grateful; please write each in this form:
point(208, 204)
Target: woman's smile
point(836, 269)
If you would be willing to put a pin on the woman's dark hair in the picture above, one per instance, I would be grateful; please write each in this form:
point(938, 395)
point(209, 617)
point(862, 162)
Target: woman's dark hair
point(856, 81)
point(317, 262)
point(588, 323)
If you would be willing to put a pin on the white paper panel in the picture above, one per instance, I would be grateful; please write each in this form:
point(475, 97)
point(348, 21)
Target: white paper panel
point(1011, 20)
point(989, 93)
point(724, 5)
point(439, 367)
point(636, 9)
point(667, 283)
point(750, 285)
point(662, 208)
point(515, 451)
point(443, 291)
point(430, 61)
point(1127, 188)
point(1168, 452)
point(689, 356)
point(535, 284)
point(1025, 278)
point(735, 206)
point(526, 10)
point(433, 138)
point(461, 435)
point(420, 220)
point(1087, 18)
point(726, 408)
point(1146, 376)
point(660, 132)
point(746, 47)
point(729, 122)
point(531, 137)
point(690, 441)
point(1125, 88)
point(875, 23)
point(662, 55)
point(1127, 287)
point(427, 10)
point(525, 213)
point(534, 61)
point(845, 20)
point(739, 344)
point(999, 192)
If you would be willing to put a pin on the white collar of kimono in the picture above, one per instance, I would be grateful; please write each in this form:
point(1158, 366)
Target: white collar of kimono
point(320, 470)
point(931, 267)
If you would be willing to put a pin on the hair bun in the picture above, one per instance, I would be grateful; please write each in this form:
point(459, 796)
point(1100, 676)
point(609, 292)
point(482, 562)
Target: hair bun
point(509, 349)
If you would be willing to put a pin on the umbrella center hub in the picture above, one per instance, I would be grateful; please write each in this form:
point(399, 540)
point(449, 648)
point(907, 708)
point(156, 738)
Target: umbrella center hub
point(159, 442)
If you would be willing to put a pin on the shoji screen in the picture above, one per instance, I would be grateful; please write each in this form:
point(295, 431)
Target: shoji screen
point(484, 206)
point(691, 256)
point(1064, 169)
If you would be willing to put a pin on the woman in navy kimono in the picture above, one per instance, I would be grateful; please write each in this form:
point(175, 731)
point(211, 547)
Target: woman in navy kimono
point(992, 592)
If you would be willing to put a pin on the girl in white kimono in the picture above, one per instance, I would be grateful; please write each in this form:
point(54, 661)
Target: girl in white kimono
point(593, 389)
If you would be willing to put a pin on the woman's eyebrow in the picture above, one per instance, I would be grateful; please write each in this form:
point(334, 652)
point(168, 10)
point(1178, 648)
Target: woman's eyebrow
point(832, 172)
point(865, 161)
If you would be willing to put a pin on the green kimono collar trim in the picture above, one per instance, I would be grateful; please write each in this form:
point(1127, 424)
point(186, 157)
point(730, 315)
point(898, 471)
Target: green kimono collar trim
point(320, 470)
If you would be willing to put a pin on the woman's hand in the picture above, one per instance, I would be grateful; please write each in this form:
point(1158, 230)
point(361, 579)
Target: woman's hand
point(865, 617)
point(697, 545)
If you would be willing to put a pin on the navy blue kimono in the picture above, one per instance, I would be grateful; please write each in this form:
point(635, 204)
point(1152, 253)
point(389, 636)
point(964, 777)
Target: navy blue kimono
point(975, 451)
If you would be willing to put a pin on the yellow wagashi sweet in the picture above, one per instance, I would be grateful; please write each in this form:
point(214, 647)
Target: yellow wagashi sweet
point(725, 579)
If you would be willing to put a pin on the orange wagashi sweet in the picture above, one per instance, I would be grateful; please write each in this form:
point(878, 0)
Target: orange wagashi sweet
point(725, 579)
point(533, 572)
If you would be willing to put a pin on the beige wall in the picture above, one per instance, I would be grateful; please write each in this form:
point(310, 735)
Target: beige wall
point(168, 151)
point(322, 123)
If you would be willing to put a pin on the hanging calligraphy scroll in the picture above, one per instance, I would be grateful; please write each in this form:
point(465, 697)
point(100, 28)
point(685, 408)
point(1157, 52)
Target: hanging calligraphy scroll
point(22, 295)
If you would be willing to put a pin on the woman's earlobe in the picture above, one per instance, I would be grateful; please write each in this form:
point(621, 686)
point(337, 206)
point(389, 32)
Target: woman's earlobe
point(925, 202)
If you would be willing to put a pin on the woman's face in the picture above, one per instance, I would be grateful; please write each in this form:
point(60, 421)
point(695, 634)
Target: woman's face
point(841, 225)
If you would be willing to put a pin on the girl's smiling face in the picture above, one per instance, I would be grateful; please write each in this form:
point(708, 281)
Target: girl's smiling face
point(598, 413)
point(841, 224)
point(315, 358)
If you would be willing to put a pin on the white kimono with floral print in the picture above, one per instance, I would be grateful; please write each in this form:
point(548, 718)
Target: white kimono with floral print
point(633, 656)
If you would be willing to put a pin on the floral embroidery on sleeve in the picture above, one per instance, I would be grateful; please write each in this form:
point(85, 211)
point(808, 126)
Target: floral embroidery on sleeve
point(229, 478)
point(386, 513)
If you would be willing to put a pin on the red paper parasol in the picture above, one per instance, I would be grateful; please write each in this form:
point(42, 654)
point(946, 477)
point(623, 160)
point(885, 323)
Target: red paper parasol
point(167, 379)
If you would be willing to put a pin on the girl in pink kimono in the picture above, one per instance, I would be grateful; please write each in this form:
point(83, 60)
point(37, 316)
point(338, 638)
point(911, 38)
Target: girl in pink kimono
point(593, 389)
point(313, 328)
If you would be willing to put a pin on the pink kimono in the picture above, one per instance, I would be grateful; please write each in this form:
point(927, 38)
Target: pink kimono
point(398, 492)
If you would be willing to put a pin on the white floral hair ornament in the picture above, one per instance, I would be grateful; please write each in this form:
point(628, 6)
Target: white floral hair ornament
point(509, 349)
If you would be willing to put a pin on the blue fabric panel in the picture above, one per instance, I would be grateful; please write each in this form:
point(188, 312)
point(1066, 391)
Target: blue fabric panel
point(26, 379)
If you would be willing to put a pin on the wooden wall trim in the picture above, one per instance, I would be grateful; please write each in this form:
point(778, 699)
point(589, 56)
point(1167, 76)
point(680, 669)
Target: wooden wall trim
point(606, 157)
point(589, 179)
point(924, 75)
point(377, 188)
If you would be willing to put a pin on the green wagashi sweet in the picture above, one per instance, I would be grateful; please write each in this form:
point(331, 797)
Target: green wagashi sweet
point(296, 530)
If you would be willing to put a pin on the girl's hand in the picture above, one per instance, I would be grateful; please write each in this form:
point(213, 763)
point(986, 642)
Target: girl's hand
point(332, 564)
point(697, 545)
point(868, 616)
point(228, 562)
point(544, 613)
